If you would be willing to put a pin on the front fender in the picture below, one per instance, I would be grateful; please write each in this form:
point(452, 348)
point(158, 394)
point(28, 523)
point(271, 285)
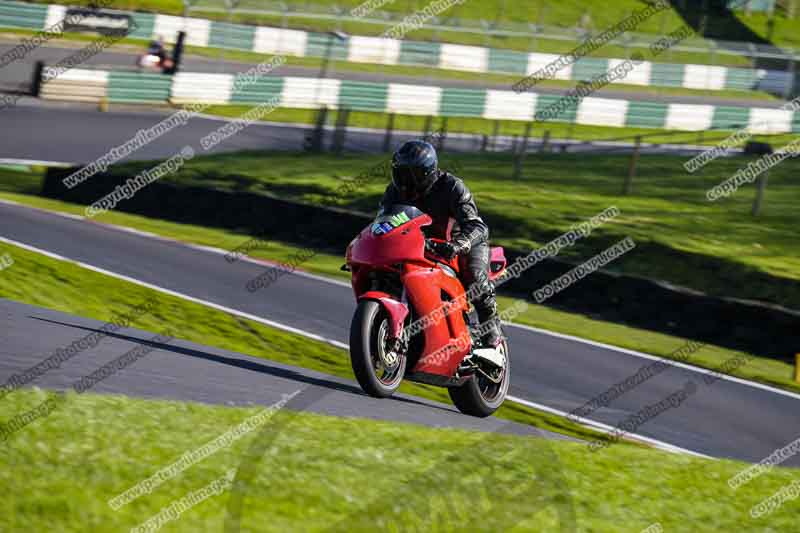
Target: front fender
point(397, 311)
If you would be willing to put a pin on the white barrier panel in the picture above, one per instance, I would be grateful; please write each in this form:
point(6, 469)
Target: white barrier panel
point(640, 75)
point(689, 117)
point(197, 30)
point(764, 120)
point(206, 88)
point(539, 61)
point(602, 112)
point(55, 14)
point(82, 75)
point(373, 50)
point(77, 85)
point(413, 99)
point(704, 77)
point(509, 105)
point(460, 57)
point(310, 92)
point(280, 41)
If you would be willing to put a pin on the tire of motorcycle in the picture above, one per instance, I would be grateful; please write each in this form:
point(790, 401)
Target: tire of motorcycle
point(367, 330)
point(474, 398)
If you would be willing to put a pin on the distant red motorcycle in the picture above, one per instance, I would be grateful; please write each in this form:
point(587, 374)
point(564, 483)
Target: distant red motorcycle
point(400, 282)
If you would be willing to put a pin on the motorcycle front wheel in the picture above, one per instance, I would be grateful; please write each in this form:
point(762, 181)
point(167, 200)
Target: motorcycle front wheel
point(378, 369)
point(485, 392)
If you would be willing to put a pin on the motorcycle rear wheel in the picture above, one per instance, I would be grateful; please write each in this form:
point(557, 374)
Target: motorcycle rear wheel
point(479, 396)
point(368, 351)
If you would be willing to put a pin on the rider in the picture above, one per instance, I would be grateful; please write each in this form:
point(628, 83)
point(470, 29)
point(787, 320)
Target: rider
point(156, 48)
point(417, 180)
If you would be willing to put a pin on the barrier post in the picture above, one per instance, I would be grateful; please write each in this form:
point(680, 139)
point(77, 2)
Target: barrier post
point(38, 73)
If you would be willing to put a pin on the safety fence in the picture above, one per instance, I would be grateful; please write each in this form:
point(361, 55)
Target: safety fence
point(375, 50)
point(313, 93)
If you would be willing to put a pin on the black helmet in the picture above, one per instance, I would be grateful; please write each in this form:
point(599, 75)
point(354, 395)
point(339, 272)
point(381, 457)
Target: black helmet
point(414, 167)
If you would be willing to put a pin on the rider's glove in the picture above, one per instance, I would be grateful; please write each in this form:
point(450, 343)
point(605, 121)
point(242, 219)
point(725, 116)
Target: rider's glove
point(451, 249)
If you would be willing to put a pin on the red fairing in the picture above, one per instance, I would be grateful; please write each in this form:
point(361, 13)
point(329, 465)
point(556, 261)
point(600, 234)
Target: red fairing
point(397, 311)
point(402, 251)
point(424, 287)
point(406, 243)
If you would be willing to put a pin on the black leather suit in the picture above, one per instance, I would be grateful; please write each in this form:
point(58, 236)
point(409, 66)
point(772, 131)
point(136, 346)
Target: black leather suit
point(449, 198)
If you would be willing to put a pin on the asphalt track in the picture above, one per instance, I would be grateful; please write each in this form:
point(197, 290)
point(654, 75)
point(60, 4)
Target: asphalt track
point(75, 133)
point(729, 418)
point(180, 370)
point(19, 73)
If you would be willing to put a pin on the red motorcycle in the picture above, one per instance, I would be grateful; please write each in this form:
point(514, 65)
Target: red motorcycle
point(413, 319)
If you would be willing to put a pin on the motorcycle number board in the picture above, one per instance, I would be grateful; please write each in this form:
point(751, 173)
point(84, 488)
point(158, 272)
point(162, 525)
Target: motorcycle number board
point(382, 228)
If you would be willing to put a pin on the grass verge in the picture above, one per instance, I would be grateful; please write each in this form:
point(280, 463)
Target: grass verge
point(324, 473)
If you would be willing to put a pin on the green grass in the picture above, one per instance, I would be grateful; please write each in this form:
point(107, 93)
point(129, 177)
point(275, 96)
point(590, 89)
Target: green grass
point(38, 280)
point(23, 187)
point(319, 473)
point(601, 15)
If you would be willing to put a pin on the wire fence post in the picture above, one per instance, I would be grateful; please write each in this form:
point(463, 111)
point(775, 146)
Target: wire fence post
point(314, 140)
point(788, 91)
point(519, 157)
point(428, 131)
point(761, 190)
point(340, 132)
point(387, 139)
point(442, 135)
point(628, 188)
point(545, 147)
point(495, 132)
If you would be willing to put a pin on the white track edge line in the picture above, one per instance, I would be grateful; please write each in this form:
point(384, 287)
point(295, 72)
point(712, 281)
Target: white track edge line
point(605, 427)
